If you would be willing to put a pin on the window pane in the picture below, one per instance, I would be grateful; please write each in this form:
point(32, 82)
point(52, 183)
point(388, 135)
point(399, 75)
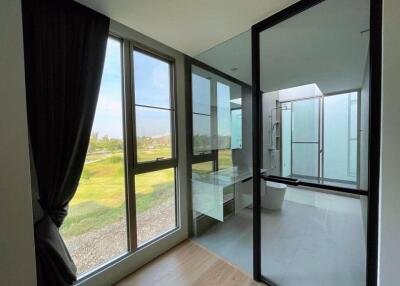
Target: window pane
point(97, 213)
point(201, 133)
point(201, 89)
point(152, 81)
point(153, 132)
point(224, 116)
point(155, 204)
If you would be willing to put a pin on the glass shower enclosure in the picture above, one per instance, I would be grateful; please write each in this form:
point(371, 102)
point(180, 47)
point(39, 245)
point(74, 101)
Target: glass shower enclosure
point(319, 139)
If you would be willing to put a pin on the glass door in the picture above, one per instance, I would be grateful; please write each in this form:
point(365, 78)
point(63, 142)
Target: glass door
point(310, 77)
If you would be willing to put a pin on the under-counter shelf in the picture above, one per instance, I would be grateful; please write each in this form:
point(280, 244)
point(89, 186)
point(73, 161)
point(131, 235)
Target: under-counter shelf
point(211, 191)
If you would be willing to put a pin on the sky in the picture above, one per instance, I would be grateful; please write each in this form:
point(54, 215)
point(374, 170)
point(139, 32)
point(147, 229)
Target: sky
point(151, 88)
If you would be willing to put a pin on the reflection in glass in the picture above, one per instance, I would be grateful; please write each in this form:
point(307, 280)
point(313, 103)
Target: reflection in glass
point(236, 117)
point(224, 116)
point(201, 134)
point(201, 94)
point(203, 168)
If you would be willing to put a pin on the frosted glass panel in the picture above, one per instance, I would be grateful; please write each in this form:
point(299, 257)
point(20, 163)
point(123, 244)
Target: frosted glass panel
point(305, 159)
point(305, 137)
point(305, 120)
point(340, 137)
point(353, 118)
point(208, 197)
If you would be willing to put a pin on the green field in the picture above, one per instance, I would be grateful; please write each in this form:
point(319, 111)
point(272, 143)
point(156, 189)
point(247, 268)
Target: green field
point(100, 197)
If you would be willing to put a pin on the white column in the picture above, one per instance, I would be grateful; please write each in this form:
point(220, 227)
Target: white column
point(390, 162)
point(17, 260)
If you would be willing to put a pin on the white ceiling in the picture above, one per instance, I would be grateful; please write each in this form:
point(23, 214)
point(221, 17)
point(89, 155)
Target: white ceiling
point(189, 26)
point(322, 45)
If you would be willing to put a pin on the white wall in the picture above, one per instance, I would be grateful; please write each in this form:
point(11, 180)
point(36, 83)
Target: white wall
point(17, 263)
point(390, 162)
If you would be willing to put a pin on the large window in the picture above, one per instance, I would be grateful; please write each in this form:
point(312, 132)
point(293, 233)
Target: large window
point(127, 191)
point(154, 167)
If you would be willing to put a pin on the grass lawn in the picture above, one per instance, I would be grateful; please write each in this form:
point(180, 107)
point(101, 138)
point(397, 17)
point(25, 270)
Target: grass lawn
point(100, 197)
point(225, 159)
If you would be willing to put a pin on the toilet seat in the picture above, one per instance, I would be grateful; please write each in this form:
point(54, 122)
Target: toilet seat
point(276, 186)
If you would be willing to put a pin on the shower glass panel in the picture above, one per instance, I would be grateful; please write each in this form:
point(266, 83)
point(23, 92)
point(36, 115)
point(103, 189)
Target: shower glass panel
point(305, 138)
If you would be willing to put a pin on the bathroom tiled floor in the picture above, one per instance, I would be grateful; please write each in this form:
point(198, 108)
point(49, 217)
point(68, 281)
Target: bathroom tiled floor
point(316, 239)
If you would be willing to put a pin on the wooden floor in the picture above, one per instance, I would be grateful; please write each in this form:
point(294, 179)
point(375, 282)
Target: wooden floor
point(188, 264)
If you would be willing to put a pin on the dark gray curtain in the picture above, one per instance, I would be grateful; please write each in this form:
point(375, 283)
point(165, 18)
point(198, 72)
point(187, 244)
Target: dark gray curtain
point(64, 45)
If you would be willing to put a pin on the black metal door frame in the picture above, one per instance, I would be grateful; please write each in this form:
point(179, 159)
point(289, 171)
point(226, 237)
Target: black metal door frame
point(374, 135)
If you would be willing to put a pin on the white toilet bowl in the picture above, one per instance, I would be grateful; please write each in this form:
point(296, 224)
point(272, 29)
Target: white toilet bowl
point(274, 195)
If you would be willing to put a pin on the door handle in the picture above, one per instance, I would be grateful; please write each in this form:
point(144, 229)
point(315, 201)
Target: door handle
point(283, 180)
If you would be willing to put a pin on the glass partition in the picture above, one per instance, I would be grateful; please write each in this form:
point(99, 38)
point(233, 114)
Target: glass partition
point(314, 78)
point(221, 178)
point(216, 116)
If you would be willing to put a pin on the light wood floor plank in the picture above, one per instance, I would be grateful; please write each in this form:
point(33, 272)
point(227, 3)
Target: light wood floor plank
point(188, 264)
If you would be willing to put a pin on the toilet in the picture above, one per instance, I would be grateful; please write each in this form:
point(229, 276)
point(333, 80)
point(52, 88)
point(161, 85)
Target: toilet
point(273, 196)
